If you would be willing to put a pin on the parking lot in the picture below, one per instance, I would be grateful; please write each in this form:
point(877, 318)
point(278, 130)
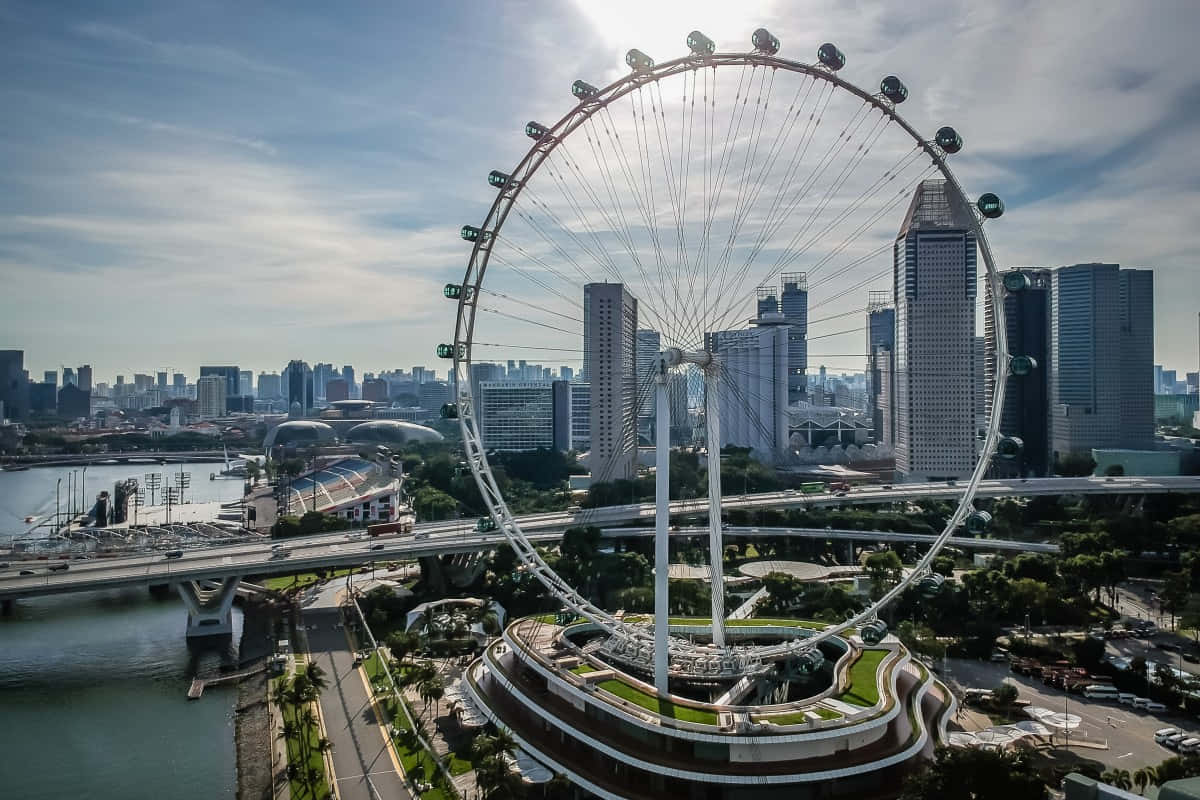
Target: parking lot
point(1128, 734)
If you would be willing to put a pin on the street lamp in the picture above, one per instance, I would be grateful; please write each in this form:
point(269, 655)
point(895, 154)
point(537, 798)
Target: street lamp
point(83, 489)
point(57, 506)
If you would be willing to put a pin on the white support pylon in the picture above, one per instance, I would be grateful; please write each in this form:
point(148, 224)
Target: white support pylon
point(716, 547)
point(662, 521)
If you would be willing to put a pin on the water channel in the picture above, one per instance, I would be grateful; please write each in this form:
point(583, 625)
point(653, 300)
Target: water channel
point(92, 685)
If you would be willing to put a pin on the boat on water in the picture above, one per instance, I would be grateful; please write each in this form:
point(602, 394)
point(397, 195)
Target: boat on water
point(15, 467)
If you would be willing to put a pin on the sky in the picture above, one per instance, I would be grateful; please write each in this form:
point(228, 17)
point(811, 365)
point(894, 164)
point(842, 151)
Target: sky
point(209, 182)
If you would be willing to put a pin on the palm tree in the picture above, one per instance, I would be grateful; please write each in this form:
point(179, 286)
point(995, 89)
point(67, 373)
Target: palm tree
point(429, 622)
point(503, 741)
point(289, 729)
point(1142, 778)
point(1118, 777)
point(316, 676)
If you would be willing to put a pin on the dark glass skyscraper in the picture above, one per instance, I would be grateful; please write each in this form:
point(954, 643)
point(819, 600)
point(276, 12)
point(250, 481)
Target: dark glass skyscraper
point(232, 376)
point(794, 305)
point(881, 344)
point(1026, 412)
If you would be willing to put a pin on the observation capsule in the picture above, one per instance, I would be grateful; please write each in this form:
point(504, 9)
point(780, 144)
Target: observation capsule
point(700, 44)
point(990, 205)
point(485, 524)
point(978, 522)
point(1016, 281)
point(1009, 447)
point(764, 42)
point(472, 234)
point(873, 632)
point(810, 661)
point(948, 139)
point(452, 291)
point(445, 351)
point(831, 57)
point(931, 584)
point(893, 89)
point(449, 411)
point(498, 179)
point(536, 131)
point(583, 90)
point(638, 61)
point(1022, 365)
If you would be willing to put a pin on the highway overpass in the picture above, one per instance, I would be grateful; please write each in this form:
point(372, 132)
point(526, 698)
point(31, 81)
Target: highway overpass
point(231, 562)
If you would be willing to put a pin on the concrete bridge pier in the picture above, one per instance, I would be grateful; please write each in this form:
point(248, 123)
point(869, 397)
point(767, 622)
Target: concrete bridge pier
point(209, 610)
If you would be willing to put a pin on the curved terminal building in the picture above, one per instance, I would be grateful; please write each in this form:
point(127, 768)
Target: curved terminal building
point(847, 721)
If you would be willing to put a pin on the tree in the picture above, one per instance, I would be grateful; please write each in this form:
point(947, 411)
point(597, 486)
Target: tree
point(1004, 695)
point(1174, 595)
point(1119, 778)
point(1074, 465)
point(1144, 777)
point(1114, 471)
point(315, 675)
point(975, 774)
point(885, 570)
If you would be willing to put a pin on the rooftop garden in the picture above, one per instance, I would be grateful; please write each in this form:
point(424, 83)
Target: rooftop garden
point(863, 689)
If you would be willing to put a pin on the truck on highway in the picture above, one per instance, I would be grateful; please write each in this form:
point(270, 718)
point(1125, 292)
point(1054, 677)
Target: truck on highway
point(402, 525)
point(813, 487)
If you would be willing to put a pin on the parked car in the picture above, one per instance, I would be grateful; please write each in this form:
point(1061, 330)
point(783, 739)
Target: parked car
point(173, 554)
point(1174, 740)
point(1126, 698)
point(378, 546)
point(1161, 734)
point(1155, 707)
point(1189, 745)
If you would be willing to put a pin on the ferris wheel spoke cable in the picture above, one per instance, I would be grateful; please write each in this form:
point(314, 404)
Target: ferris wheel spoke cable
point(530, 256)
point(643, 154)
point(526, 320)
point(527, 304)
point(552, 242)
point(534, 280)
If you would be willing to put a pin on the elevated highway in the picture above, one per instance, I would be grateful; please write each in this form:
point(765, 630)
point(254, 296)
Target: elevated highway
point(233, 561)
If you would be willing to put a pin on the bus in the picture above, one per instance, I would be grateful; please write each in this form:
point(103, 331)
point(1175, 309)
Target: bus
point(1098, 691)
point(815, 487)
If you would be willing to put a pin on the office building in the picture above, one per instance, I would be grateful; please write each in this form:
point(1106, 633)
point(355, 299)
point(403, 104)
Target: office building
point(1026, 412)
point(161, 380)
point(179, 384)
point(142, 383)
point(246, 383)
point(348, 377)
point(581, 416)
point(881, 341)
point(794, 305)
point(483, 372)
point(420, 375)
point(1101, 358)
point(270, 386)
point(50, 376)
point(68, 376)
point(375, 390)
point(74, 402)
point(610, 315)
point(210, 396)
point(43, 397)
point(566, 373)
point(434, 394)
point(336, 390)
point(648, 345)
point(524, 415)
point(14, 386)
point(297, 380)
point(934, 368)
point(232, 376)
point(83, 377)
point(322, 374)
point(752, 392)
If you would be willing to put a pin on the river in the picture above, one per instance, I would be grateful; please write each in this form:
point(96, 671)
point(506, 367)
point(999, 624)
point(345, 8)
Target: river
point(93, 685)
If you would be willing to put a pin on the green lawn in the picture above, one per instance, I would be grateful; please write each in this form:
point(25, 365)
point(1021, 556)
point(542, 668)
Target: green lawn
point(296, 755)
point(583, 669)
point(653, 703)
point(302, 579)
point(546, 619)
point(863, 689)
point(798, 717)
point(735, 623)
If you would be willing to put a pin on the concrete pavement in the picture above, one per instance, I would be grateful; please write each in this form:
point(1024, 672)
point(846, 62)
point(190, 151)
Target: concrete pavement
point(363, 761)
point(1129, 734)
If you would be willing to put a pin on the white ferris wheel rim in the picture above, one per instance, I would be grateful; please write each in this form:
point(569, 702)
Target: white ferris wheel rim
point(465, 322)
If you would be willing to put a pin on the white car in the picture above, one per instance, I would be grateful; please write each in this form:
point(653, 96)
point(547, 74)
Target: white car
point(1190, 745)
point(1175, 740)
point(1161, 734)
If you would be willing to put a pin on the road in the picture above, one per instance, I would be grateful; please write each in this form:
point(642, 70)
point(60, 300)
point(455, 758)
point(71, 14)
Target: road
point(1129, 733)
point(334, 549)
point(362, 760)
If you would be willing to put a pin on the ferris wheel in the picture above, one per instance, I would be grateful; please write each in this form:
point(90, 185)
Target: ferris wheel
point(692, 199)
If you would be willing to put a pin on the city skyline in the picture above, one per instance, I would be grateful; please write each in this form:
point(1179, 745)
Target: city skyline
point(274, 189)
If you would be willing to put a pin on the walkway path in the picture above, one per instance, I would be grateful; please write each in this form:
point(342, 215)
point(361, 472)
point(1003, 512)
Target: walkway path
point(444, 723)
point(363, 760)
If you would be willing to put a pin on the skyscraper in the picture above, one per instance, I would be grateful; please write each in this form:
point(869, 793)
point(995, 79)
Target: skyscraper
point(179, 384)
point(232, 376)
point(1026, 412)
point(348, 376)
point(297, 380)
point(50, 376)
point(752, 391)
point(934, 273)
point(794, 306)
point(84, 378)
point(245, 382)
point(14, 386)
point(881, 342)
point(210, 396)
point(610, 316)
point(1101, 358)
point(68, 376)
point(161, 380)
point(270, 386)
point(648, 345)
point(321, 373)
